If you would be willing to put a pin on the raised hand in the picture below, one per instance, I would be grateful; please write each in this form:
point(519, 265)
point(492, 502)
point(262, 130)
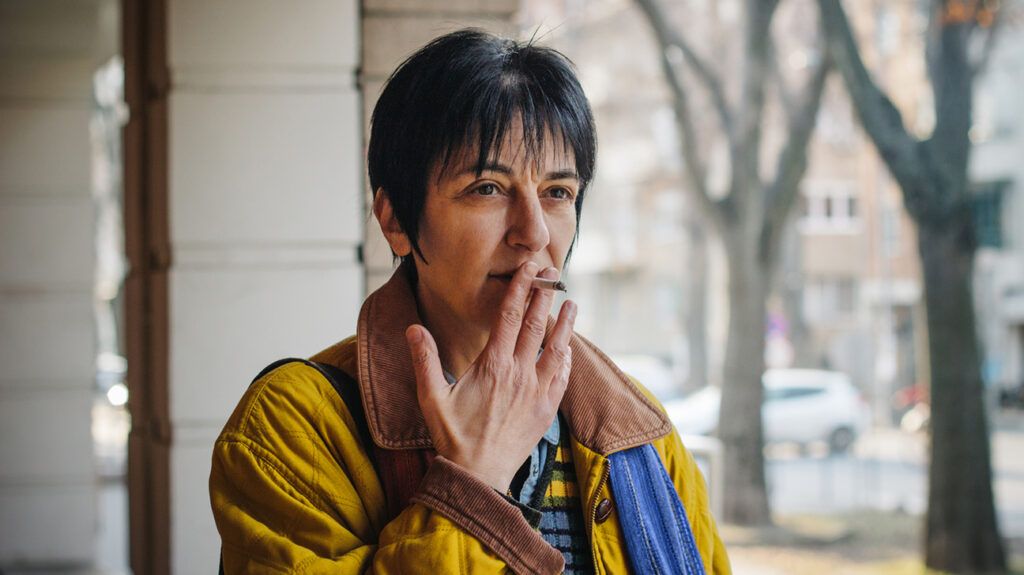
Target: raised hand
point(490, 420)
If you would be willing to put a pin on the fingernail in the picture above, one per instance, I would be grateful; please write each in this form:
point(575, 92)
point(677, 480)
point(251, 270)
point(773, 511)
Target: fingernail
point(550, 273)
point(413, 335)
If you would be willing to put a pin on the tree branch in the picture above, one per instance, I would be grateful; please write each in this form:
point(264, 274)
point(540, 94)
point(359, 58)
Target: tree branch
point(899, 150)
point(696, 170)
point(668, 38)
point(688, 140)
point(948, 146)
point(746, 143)
point(789, 103)
point(792, 162)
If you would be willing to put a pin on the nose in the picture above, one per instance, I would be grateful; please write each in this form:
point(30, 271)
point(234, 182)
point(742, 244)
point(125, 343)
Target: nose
point(528, 229)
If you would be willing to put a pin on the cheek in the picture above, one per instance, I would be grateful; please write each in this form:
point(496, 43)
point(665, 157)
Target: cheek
point(562, 228)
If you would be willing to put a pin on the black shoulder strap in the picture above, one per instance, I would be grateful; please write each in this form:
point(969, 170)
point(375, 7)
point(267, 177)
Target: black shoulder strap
point(346, 387)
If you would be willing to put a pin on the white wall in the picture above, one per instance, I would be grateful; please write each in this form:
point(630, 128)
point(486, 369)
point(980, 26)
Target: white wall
point(49, 51)
point(265, 185)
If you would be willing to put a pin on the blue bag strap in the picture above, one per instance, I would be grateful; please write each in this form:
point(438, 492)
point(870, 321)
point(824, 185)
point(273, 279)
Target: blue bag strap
point(658, 536)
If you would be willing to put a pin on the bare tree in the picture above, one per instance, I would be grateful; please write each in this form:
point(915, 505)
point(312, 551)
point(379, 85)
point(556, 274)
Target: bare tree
point(749, 218)
point(961, 534)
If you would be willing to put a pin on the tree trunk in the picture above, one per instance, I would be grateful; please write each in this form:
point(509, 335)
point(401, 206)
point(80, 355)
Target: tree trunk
point(739, 421)
point(789, 284)
point(961, 534)
point(696, 316)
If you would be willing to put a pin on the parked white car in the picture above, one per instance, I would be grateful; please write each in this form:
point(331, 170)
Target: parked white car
point(800, 406)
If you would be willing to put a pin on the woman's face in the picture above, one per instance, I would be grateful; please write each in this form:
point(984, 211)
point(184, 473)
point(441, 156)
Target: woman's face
point(475, 231)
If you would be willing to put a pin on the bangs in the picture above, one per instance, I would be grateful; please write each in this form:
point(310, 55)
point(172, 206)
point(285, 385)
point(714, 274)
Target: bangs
point(505, 105)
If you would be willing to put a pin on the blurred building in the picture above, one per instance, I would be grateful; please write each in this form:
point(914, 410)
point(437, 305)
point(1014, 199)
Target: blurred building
point(860, 272)
point(862, 281)
point(848, 295)
point(647, 275)
point(998, 176)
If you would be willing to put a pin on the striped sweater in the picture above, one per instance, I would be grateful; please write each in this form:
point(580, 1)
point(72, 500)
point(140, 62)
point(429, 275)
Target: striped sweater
point(556, 507)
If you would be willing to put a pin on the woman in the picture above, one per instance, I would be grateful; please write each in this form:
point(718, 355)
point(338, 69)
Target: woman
point(464, 430)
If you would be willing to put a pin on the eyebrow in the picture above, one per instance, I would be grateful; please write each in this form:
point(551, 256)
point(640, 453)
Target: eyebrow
point(503, 169)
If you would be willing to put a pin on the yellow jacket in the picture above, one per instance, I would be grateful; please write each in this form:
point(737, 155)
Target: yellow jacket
point(293, 490)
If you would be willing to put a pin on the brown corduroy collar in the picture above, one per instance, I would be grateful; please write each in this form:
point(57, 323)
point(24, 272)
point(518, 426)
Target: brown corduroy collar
point(605, 410)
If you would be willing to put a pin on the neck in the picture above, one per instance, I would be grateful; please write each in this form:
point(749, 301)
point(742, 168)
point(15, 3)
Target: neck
point(459, 343)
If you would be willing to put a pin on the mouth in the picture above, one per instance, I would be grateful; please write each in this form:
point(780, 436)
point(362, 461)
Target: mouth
point(501, 277)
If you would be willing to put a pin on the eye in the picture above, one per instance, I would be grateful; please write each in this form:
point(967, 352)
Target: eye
point(486, 190)
point(560, 193)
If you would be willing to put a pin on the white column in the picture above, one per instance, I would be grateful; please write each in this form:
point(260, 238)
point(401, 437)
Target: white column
point(265, 174)
point(48, 54)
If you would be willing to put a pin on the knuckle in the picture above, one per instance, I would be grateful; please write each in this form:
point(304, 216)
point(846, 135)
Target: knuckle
point(511, 316)
point(561, 354)
point(535, 326)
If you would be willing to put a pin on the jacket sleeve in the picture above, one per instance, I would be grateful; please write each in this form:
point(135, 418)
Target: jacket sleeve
point(293, 491)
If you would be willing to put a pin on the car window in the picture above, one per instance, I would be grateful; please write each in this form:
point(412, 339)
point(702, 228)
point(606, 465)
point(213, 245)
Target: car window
point(791, 393)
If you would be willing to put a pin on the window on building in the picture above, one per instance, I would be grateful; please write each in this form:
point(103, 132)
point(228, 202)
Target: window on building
point(987, 208)
point(830, 207)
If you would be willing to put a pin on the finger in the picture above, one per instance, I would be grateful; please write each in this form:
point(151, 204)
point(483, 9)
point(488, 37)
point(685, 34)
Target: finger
point(561, 381)
point(506, 327)
point(426, 363)
point(557, 347)
point(535, 324)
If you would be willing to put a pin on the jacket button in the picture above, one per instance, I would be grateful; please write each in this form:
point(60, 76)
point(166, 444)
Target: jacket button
point(604, 510)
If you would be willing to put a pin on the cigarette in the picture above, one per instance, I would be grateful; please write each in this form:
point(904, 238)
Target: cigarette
point(541, 283)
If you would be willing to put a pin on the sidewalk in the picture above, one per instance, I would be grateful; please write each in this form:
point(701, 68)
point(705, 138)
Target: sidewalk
point(862, 513)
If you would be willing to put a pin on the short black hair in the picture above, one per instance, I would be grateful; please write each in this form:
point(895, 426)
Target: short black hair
point(464, 90)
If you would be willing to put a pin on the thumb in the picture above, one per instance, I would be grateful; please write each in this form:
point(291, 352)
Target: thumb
point(426, 363)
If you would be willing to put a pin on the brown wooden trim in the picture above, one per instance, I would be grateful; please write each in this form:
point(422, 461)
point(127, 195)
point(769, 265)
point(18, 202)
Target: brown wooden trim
point(147, 242)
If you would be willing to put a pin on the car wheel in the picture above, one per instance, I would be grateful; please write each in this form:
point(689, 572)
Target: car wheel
point(841, 440)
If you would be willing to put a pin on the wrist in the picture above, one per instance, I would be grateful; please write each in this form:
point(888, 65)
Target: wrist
point(496, 478)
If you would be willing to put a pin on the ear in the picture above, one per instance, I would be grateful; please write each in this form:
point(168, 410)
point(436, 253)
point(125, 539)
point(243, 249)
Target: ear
point(385, 214)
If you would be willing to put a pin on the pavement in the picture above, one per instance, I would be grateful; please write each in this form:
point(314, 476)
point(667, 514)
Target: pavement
point(862, 513)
